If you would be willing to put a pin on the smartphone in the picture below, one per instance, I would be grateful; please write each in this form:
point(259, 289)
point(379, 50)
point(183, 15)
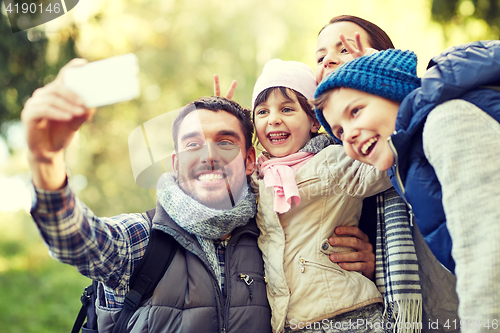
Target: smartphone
point(105, 82)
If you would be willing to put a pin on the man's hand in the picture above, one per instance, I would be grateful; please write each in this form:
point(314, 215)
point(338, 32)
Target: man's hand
point(360, 50)
point(51, 117)
point(230, 92)
point(363, 260)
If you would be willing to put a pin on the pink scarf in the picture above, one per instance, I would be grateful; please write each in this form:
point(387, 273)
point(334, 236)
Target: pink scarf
point(280, 174)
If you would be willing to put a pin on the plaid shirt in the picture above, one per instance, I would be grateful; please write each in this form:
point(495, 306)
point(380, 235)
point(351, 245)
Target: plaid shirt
point(220, 249)
point(107, 249)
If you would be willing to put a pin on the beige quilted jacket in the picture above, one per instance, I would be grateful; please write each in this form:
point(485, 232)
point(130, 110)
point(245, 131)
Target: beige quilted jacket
point(303, 284)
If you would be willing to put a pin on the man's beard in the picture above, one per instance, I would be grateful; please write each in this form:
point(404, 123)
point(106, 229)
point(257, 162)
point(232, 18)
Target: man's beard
point(219, 199)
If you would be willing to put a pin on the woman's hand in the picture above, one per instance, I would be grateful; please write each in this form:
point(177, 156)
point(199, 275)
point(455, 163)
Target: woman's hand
point(230, 92)
point(359, 50)
point(362, 260)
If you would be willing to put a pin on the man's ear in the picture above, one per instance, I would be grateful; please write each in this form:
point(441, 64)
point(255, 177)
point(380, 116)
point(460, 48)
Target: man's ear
point(250, 161)
point(175, 163)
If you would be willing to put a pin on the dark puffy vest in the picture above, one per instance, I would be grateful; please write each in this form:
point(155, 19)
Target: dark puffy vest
point(188, 298)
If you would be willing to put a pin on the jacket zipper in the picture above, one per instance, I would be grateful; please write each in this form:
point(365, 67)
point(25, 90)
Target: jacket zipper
point(398, 178)
point(248, 279)
point(304, 263)
point(215, 284)
point(227, 283)
point(218, 292)
point(309, 180)
point(227, 286)
point(249, 282)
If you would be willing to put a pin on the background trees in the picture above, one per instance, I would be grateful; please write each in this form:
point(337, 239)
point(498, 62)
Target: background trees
point(480, 18)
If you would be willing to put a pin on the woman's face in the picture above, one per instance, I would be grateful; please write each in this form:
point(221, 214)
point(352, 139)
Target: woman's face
point(330, 52)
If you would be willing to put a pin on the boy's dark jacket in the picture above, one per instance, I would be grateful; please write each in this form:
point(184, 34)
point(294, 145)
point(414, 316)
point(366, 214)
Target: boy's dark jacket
point(460, 72)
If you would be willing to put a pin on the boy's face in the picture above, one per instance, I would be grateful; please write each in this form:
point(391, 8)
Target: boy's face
point(211, 162)
point(363, 122)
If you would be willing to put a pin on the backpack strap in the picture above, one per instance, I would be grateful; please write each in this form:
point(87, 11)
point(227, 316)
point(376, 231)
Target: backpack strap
point(87, 311)
point(159, 254)
point(157, 258)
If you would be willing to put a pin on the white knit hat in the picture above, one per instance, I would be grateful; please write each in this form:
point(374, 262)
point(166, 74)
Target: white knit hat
point(289, 74)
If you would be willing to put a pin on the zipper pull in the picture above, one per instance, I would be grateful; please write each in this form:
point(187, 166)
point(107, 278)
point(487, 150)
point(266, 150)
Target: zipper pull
point(302, 265)
point(412, 218)
point(248, 280)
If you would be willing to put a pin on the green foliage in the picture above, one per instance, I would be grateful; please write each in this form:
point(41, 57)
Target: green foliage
point(39, 294)
point(23, 66)
point(462, 11)
point(42, 300)
point(180, 45)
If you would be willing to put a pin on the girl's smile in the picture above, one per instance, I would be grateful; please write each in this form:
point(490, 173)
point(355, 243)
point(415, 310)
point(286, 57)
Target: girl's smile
point(278, 138)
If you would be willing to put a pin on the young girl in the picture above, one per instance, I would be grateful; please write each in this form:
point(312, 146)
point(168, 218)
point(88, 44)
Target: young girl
point(307, 187)
point(441, 144)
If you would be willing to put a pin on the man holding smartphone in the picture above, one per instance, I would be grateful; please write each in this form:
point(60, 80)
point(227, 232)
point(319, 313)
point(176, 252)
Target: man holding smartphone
point(215, 282)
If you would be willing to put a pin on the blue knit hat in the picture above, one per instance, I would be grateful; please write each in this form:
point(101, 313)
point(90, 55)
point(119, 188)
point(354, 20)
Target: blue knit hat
point(391, 74)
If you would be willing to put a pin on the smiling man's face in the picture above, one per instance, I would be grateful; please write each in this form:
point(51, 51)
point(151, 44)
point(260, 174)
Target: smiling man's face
point(212, 163)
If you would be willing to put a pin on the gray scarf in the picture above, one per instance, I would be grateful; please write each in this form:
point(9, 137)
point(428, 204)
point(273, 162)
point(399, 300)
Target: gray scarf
point(207, 224)
point(317, 144)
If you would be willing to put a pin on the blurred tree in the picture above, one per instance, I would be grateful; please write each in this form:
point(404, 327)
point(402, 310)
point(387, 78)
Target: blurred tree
point(462, 12)
point(23, 66)
point(180, 45)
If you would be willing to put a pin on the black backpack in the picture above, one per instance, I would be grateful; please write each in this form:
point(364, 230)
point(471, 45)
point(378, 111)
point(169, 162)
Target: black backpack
point(159, 254)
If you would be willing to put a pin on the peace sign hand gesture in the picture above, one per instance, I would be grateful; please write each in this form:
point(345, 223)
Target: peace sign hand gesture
point(230, 92)
point(360, 50)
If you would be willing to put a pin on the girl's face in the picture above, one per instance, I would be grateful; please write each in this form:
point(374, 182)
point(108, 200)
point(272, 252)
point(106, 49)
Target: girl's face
point(282, 126)
point(363, 122)
point(330, 52)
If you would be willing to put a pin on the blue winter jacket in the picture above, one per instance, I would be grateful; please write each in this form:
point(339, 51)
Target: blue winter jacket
point(461, 72)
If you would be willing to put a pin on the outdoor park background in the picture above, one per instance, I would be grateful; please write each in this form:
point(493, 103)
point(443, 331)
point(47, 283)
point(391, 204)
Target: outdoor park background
point(180, 45)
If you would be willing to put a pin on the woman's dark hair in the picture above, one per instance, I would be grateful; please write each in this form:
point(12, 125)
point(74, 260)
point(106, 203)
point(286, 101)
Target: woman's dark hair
point(303, 102)
point(377, 37)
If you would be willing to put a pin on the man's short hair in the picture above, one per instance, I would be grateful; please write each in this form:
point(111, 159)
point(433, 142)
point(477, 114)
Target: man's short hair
point(215, 103)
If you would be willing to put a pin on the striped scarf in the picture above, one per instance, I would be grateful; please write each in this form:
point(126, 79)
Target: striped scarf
point(396, 273)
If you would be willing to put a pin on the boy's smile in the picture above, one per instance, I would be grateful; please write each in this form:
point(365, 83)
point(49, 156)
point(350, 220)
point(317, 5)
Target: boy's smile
point(363, 122)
